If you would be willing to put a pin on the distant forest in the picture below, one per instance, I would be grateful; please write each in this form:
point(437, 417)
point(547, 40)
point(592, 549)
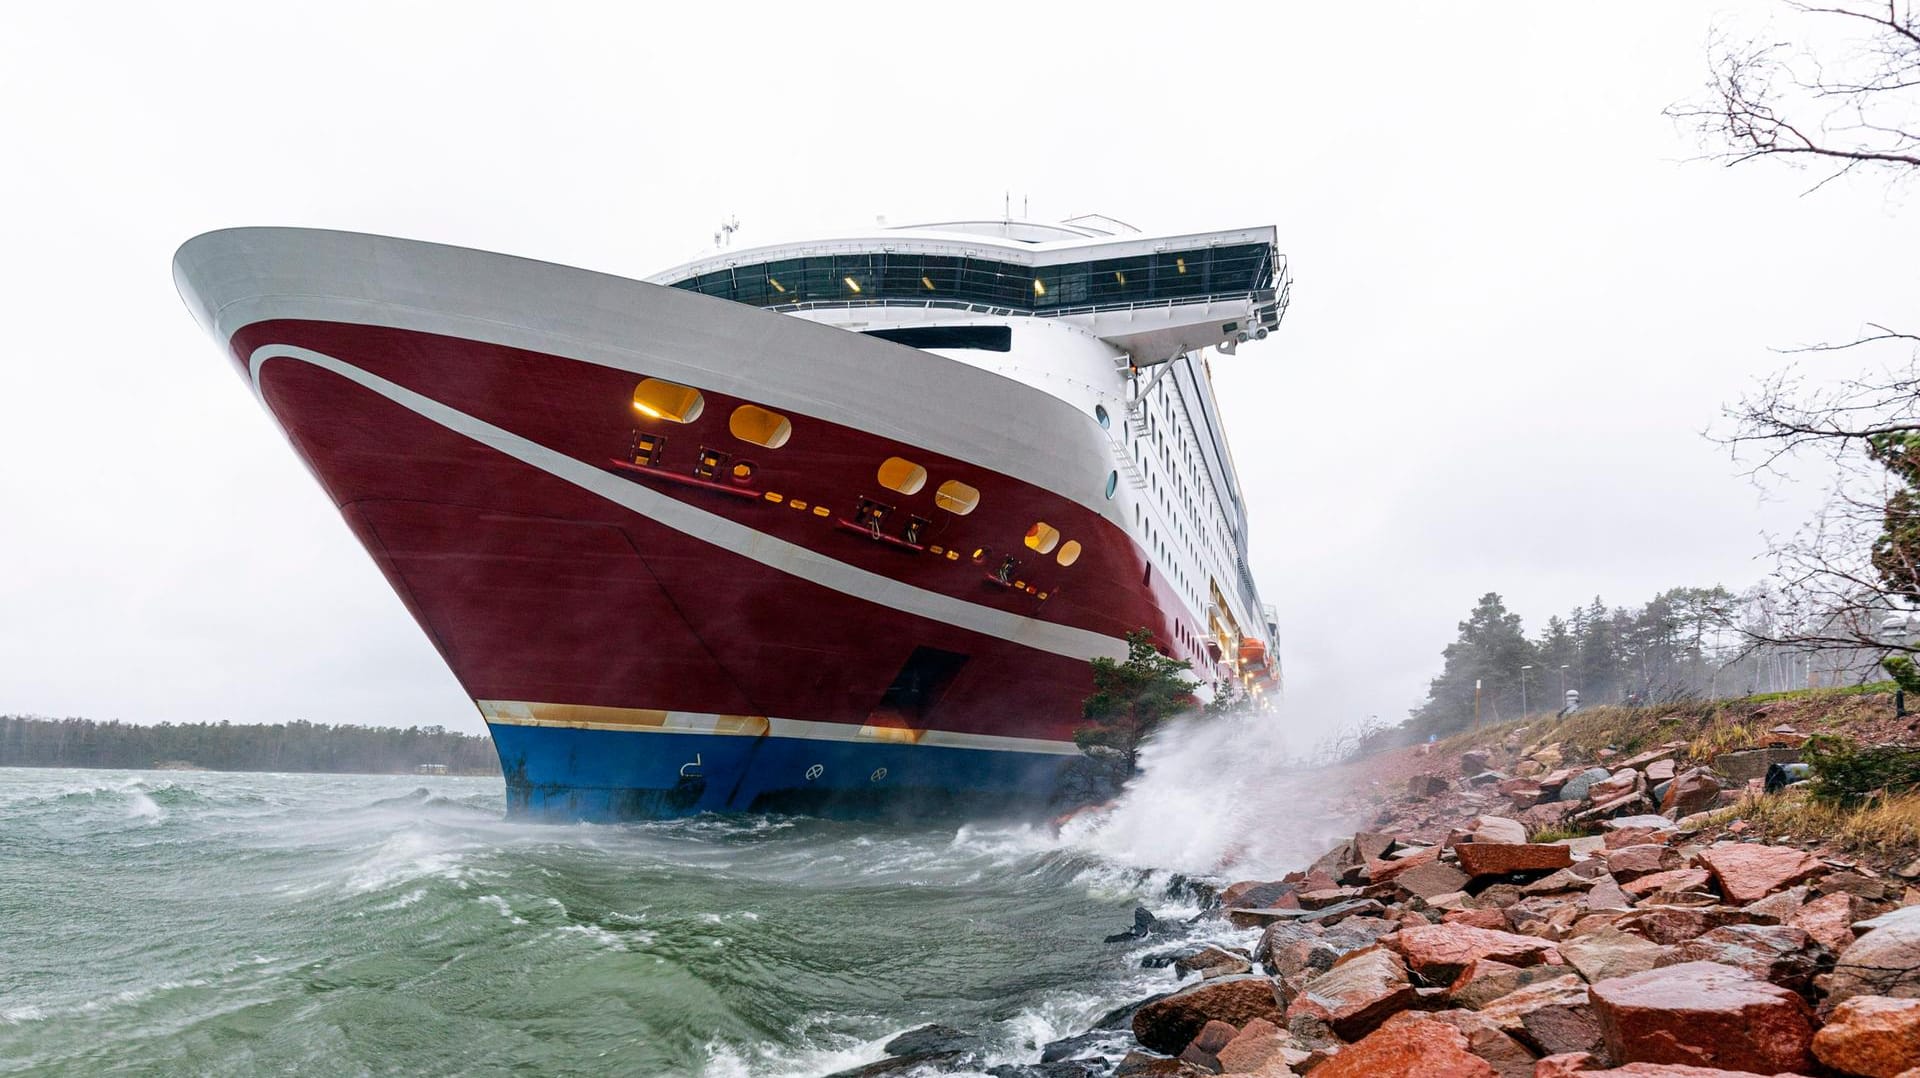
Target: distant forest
point(30, 741)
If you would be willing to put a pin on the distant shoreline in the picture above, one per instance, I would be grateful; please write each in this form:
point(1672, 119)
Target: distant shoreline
point(198, 770)
point(292, 747)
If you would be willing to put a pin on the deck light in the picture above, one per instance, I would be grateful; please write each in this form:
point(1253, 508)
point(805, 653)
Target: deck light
point(928, 282)
point(1180, 264)
point(777, 286)
point(1121, 277)
point(851, 283)
point(1039, 289)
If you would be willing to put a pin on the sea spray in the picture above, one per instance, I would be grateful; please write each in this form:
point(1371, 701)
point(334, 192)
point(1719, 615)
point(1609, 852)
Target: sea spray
point(1217, 795)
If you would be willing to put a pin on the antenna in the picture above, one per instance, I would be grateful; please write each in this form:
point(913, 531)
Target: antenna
point(1023, 207)
point(1006, 206)
point(724, 237)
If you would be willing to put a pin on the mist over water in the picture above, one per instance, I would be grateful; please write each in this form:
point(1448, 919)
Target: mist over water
point(1216, 796)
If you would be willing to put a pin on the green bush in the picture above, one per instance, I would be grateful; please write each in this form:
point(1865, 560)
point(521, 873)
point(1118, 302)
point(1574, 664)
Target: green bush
point(1847, 772)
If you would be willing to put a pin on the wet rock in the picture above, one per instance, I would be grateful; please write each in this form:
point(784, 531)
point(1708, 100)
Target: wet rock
point(1679, 879)
point(1565, 1065)
point(1212, 1037)
point(1855, 883)
point(1550, 1017)
point(1331, 915)
point(1563, 883)
point(902, 1066)
point(1781, 954)
point(1255, 1048)
point(1508, 1057)
point(1358, 994)
point(1163, 959)
point(1693, 790)
point(1605, 894)
point(1485, 981)
point(1576, 787)
point(1144, 924)
point(932, 1039)
point(1429, 879)
point(1871, 1035)
point(1474, 761)
point(1077, 1068)
point(1780, 908)
point(1660, 771)
point(1427, 784)
point(1501, 858)
point(1211, 962)
point(1169, 1024)
point(1883, 962)
point(1488, 778)
point(1610, 953)
point(1633, 862)
point(1419, 1047)
point(1440, 952)
point(1704, 1014)
point(1678, 924)
point(1096, 1043)
point(1143, 1065)
point(1748, 872)
point(1830, 919)
point(1257, 894)
point(1492, 829)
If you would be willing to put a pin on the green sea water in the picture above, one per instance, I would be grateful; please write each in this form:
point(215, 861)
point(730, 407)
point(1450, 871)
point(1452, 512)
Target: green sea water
point(203, 923)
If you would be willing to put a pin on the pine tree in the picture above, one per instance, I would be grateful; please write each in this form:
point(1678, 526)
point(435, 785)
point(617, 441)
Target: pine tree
point(1133, 697)
point(1491, 650)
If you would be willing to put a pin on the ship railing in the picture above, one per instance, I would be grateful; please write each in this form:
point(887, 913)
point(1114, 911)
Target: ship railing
point(1259, 300)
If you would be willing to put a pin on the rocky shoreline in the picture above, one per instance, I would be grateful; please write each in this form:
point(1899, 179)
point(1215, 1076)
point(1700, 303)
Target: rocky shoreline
point(1442, 942)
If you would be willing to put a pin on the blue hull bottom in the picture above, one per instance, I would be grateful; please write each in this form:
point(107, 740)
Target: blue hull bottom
point(563, 773)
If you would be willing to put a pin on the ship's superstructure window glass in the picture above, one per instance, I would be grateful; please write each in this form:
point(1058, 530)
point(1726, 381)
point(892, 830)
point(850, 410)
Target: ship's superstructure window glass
point(657, 399)
point(902, 475)
point(1043, 537)
point(751, 423)
point(900, 277)
point(956, 497)
point(1069, 552)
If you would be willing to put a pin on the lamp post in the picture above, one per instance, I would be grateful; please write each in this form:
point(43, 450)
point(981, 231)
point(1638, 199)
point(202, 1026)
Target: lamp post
point(1523, 689)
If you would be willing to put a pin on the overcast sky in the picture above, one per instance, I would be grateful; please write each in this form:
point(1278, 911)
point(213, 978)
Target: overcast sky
point(1517, 304)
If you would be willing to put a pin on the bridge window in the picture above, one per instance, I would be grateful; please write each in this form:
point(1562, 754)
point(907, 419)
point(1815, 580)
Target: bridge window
point(902, 475)
point(1043, 537)
point(670, 401)
point(751, 423)
point(956, 498)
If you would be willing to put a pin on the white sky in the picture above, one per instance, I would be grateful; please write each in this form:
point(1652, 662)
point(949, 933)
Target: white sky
point(1517, 303)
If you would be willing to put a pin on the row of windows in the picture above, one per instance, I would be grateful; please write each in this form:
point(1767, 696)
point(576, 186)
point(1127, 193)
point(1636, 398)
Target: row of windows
point(1043, 538)
point(893, 277)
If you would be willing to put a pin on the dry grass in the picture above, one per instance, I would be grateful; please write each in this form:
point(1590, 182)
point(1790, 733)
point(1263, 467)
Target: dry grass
point(1884, 828)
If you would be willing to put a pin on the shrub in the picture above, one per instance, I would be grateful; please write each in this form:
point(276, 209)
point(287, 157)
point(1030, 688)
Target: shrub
point(1845, 771)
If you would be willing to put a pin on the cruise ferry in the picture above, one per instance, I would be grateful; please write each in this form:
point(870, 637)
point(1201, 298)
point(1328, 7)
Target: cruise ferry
point(823, 527)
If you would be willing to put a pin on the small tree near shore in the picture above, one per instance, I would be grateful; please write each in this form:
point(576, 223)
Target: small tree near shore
point(1132, 697)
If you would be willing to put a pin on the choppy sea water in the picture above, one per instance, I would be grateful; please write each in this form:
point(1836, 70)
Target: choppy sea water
point(256, 923)
point(214, 923)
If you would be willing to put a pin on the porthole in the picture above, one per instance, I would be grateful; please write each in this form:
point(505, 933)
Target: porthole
point(956, 498)
point(1043, 537)
point(902, 475)
point(670, 401)
point(1113, 484)
point(1100, 413)
point(751, 423)
point(1069, 552)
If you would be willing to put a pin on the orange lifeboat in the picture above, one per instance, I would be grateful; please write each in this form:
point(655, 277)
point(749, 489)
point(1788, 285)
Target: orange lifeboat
point(1253, 653)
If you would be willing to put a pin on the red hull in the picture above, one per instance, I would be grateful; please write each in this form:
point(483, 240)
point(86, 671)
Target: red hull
point(536, 589)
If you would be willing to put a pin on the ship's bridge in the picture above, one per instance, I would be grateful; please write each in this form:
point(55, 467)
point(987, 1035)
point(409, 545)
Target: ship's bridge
point(1153, 297)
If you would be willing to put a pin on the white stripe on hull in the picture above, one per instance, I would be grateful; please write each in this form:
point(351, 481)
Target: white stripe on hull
point(728, 535)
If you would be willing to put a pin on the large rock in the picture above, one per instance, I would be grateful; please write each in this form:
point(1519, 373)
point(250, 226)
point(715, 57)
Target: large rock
point(1485, 981)
point(1610, 953)
point(1871, 1035)
point(1784, 955)
point(1679, 879)
point(1633, 862)
point(1439, 952)
point(1884, 962)
point(1678, 924)
point(1417, 1048)
point(1619, 784)
point(1577, 786)
point(1830, 919)
point(1430, 879)
point(1693, 790)
point(1508, 1057)
point(1474, 761)
point(1550, 1017)
point(1493, 829)
point(1212, 1037)
point(1358, 994)
point(1255, 1047)
point(1210, 962)
point(1257, 894)
point(1500, 858)
point(1169, 1024)
point(1749, 872)
point(1704, 1014)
